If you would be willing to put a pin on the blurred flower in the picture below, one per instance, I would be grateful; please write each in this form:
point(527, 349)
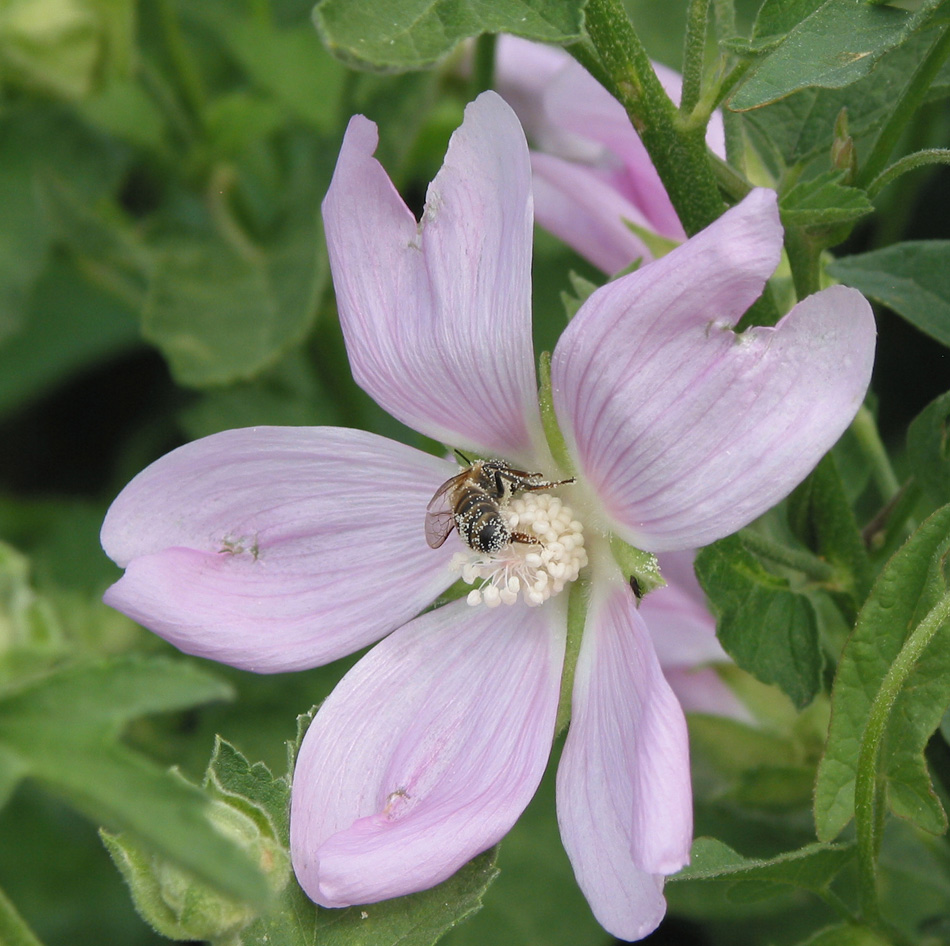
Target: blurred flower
point(281, 548)
point(592, 175)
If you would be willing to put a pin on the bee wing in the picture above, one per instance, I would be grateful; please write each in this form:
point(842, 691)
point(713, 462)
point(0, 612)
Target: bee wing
point(440, 517)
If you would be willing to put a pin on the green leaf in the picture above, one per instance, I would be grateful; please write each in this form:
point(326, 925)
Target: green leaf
point(51, 46)
point(417, 920)
point(776, 18)
point(294, 67)
point(413, 34)
point(766, 627)
point(833, 47)
point(248, 806)
point(36, 143)
point(811, 868)
point(912, 278)
point(821, 517)
point(904, 592)
point(845, 934)
point(220, 315)
point(928, 449)
point(63, 729)
point(801, 126)
point(759, 769)
point(14, 930)
point(124, 109)
point(71, 324)
point(824, 201)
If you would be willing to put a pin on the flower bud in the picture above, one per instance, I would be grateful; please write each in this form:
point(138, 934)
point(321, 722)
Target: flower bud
point(182, 907)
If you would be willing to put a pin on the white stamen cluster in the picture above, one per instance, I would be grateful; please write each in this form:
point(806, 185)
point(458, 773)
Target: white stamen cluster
point(534, 570)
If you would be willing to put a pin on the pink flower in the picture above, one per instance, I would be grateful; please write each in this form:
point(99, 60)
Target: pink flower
point(592, 174)
point(684, 636)
point(278, 548)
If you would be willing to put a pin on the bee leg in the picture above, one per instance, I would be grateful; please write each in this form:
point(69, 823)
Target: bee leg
point(524, 538)
point(537, 487)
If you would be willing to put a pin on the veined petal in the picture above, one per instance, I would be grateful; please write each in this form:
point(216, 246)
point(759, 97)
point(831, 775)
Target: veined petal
point(623, 783)
point(580, 207)
point(581, 107)
point(681, 627)
point(685, 430)
point(278, 548)
point(437, 314)
point(684, 637)
point(426, 752)
point(704, 691)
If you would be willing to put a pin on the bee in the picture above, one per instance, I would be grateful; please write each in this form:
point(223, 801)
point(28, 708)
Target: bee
point(472, 502)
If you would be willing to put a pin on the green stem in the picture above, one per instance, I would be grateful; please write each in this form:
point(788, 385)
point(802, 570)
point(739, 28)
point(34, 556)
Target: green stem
point(904, 109)
point(909, 162)
point(220, 185)
point(679, 154)
point(868, 788)
point(799, 560)
point(804, 258)
point(576, 617)
point(483, 71)
point(730, 181)
point(13, 928)
point(728, 82)
point(167, 100)
point(189, 75)
point(694, 54)
point(725, 11)
point(864, 427)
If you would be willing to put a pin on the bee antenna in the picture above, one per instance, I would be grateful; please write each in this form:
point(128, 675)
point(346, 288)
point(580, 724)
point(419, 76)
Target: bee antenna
point(463, 458)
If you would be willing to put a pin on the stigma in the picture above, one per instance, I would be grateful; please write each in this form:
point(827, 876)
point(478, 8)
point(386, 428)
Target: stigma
point(533, 571)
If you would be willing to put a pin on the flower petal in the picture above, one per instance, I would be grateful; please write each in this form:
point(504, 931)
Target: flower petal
point(426, 752)
point(685, 430)
point(623, 783)
point(681, 627)
point(278, 548)
point(581, 107)
point(580, 207)
point(704, 691)
point(437, 315)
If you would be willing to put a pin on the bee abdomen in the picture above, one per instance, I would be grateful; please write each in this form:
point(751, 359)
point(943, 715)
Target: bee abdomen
point(480, 524)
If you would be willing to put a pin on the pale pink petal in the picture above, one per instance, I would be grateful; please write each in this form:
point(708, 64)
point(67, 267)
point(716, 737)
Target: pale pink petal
point(523, 72)
point(426, 752)
point(579, 106)
point(684, 637)
point(623, 783)
point(580, 207)
point(567, 114)
point(278, 548)
point(685, 430)
point(682, 629)
point(437, 315)
point(704, 691)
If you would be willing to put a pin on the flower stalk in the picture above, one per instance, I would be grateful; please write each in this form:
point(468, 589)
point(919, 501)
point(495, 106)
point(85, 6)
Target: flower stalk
point(869, 787)
point(680, 155)
point(904, 109)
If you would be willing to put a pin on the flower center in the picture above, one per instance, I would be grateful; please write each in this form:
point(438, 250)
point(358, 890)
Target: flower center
point(533, 570)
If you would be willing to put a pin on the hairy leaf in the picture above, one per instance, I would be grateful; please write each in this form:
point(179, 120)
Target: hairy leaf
point(905, 591)
point(912, 278)
point(412, 34)
point(833, 47)
point(62, 729)
point(766, 627)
